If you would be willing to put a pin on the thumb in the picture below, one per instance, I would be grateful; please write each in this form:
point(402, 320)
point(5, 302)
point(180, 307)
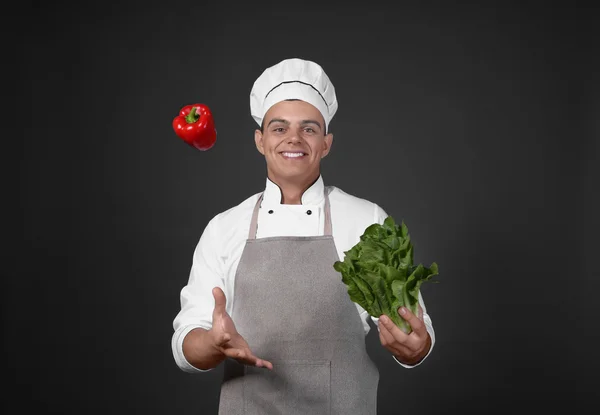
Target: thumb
point(222, 339)
point(220, 300)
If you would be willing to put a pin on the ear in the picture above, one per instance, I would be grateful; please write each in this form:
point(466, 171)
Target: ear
point(327, 142)
point(258, 139)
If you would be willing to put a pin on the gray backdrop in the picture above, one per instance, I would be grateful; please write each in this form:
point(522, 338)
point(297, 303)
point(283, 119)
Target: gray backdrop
point(477, 126)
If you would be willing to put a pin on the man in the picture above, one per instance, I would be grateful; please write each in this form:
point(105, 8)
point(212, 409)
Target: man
point(263, 296)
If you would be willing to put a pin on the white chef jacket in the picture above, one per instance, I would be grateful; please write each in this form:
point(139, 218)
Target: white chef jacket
point(220, 247)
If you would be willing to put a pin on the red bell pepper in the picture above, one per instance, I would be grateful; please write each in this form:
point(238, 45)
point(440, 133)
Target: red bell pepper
point(195, 125)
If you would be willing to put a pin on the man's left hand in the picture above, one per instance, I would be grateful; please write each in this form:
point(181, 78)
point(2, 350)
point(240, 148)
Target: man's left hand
point(410, 348)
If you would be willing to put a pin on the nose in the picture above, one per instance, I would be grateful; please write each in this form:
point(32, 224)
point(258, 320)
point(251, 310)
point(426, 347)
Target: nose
point(294, 138)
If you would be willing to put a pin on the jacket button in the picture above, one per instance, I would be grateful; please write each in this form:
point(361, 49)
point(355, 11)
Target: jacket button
point(308, 212)
point(270, 211)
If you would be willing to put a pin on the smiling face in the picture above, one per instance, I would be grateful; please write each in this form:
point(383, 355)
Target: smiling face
point(293, 142)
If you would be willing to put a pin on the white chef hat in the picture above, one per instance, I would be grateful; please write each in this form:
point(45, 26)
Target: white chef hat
point(293, 79)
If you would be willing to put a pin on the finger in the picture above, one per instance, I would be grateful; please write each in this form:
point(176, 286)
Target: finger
point(264, 363)
point(246, 357)
point(242, 355)
point(389, 342)
point(397, 335)
point(417, 325)
point(220, 299)
point(385, 336)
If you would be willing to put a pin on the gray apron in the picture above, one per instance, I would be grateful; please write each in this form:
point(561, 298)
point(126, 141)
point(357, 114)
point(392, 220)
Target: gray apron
point(293, 309)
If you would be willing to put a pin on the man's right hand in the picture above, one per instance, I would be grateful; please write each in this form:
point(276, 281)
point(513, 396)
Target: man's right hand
point(226, 338)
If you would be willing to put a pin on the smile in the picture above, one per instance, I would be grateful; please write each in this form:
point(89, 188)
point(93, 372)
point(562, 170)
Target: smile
point(290, 155)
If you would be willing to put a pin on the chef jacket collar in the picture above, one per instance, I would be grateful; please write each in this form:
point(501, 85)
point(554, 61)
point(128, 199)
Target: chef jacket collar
point(314, 195)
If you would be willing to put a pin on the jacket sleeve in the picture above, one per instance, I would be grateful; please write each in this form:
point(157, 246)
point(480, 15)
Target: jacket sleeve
point(380, 216)
point(197, 302)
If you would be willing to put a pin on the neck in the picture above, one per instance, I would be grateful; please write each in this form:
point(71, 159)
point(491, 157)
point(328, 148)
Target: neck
point(292, 190)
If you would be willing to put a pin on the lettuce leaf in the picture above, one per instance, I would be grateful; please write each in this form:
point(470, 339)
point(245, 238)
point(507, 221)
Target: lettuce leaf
point(379, 272)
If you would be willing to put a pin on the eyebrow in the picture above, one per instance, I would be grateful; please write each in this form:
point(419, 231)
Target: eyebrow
point(278, 120)
point(303, 122)
point(311, 122)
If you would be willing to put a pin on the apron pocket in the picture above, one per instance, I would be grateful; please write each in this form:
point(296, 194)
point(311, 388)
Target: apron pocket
point(293, 387)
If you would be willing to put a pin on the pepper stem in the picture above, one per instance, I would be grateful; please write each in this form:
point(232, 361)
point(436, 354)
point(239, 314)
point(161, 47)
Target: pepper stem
point(192, 117)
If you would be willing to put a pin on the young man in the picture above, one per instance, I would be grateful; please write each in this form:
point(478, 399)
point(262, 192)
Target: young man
point(263, 296)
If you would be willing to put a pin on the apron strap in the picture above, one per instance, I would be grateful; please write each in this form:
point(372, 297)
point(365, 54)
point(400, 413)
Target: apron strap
point(254, 221)
point(327, 215)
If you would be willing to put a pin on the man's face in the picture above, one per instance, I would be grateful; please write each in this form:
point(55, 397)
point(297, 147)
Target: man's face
point(293, 140)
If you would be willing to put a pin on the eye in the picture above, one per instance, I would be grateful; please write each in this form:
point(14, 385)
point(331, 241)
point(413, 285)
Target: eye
point(309, 130)
point(278, 129)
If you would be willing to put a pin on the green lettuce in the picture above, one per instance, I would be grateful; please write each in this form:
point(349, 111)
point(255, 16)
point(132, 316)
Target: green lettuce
point(380, 273)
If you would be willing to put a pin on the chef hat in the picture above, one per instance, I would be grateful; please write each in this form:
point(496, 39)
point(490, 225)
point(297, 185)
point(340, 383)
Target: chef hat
point(293, 79)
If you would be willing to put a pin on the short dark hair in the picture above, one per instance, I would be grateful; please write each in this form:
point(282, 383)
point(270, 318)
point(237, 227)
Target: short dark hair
point(262, 125)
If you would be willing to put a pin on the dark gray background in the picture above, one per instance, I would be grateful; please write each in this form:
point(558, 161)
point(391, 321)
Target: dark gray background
point(477, 126)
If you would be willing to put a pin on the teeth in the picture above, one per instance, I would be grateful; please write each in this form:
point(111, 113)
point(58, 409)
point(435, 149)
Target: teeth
point(293, 154)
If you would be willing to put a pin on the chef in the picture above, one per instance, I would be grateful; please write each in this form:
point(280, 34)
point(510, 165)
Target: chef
point(263, 297)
